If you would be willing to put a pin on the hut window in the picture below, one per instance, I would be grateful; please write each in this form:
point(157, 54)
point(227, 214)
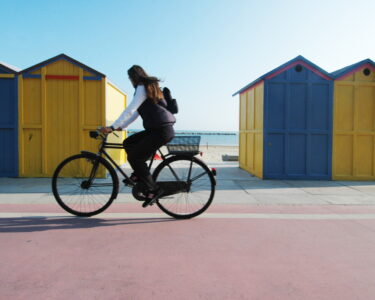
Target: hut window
point(367, 72)
point(298, 68)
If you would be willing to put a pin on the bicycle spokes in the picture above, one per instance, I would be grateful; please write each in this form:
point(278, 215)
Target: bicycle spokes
point(91, 188)
point(189, 187)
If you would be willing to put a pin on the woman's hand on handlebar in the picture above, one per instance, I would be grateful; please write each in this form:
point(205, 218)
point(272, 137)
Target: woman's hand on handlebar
point(105, 130)
point(108, 130)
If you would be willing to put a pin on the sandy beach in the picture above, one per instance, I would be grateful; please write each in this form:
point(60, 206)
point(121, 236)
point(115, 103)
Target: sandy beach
point(215, 153)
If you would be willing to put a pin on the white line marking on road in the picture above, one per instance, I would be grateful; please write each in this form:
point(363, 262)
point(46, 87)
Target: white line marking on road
point(273, 216)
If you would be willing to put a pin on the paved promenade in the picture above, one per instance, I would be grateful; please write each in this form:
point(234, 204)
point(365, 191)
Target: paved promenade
point(259, 240)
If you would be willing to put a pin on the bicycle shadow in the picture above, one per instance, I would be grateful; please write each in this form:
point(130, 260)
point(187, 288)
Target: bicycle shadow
point(35, 224)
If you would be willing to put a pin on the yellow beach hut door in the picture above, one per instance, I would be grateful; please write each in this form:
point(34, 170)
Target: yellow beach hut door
point(62, 120)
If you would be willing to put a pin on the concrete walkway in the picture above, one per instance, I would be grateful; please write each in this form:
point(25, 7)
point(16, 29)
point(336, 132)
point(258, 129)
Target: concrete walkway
point(234, 186)
point(259, 240)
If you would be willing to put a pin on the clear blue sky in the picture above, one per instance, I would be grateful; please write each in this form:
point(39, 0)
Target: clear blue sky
point(204, 50)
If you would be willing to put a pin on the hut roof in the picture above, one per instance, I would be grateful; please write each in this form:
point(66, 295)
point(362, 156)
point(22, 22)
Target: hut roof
point(352, 68)
point(59, 57)
point(297, 60)
point(9, 68)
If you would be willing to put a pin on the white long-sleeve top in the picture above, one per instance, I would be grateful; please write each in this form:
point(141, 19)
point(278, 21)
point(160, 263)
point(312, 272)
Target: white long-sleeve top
point(130, 114)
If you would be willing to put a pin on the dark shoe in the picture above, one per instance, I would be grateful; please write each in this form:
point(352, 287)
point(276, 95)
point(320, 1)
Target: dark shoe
point(152, 197)
point(131, 181)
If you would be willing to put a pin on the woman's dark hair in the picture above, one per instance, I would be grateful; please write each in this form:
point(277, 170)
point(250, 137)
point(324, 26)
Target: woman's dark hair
point(139, 76)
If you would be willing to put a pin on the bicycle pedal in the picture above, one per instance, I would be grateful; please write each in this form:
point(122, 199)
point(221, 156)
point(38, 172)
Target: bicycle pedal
point(148, 203)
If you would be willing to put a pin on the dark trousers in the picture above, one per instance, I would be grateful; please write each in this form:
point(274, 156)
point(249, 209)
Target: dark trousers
point(140, 146)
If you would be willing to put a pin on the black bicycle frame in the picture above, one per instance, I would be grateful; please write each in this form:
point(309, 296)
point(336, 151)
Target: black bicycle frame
point(104, 145)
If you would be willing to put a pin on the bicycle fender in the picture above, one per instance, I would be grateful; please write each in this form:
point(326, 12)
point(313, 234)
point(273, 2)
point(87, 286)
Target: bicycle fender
point(94, 155)
point(212, 170)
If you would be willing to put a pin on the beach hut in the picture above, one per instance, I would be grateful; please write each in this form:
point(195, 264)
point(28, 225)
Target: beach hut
point(354, 122)
point(60, 101)
point(286, 123)
point(8, 121)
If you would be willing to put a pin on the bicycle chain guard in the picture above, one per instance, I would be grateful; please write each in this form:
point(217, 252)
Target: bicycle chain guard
point(169, 188)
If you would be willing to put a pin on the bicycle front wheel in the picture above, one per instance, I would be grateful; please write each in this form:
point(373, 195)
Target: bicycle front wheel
point(189, 185)
point(84, 185)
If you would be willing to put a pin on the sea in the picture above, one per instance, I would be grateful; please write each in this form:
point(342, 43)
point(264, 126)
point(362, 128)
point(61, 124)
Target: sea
point(210, 138)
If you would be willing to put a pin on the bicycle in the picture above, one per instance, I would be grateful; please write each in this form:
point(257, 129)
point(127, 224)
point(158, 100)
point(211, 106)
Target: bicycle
point(188, 184)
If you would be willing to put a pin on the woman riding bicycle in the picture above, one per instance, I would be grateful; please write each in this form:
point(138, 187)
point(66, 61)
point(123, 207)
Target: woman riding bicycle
point(148, 102)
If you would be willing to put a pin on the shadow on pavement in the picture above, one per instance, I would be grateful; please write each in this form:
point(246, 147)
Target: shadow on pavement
point(32, 224)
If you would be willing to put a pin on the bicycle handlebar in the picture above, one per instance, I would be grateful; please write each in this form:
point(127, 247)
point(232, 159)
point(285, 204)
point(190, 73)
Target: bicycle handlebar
point(97, 133)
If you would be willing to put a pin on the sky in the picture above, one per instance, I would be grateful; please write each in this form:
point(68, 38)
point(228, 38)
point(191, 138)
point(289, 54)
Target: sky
point(203, 50)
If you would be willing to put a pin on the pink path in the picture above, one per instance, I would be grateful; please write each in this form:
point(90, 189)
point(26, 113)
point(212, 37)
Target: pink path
point(214, 208)
point(61, 258)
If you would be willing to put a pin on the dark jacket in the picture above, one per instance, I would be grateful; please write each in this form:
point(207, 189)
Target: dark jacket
point(155, 115)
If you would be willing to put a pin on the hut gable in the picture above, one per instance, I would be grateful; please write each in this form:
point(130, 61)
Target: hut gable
point(64, 66)
point(284, 71)
point(348, 71)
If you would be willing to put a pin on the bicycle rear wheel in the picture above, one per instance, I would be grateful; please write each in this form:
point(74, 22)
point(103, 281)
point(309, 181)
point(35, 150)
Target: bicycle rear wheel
point(189, 185)
point(84, 185)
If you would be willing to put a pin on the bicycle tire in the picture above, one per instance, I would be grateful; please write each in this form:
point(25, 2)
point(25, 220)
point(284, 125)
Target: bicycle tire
point(78, 185)
point(159, 176)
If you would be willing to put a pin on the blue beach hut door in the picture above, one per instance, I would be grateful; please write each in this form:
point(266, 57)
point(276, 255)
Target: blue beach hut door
point(8, 125)
point(298, 125)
